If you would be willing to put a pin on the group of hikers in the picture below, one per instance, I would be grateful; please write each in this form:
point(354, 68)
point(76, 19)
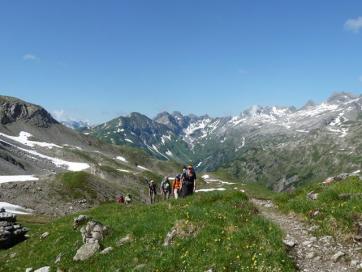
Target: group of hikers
point(124, 199)
point(182, 185)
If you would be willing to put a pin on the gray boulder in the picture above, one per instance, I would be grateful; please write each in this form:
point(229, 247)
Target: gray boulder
point(87, 251)
point(11, 233)
point(93, 231)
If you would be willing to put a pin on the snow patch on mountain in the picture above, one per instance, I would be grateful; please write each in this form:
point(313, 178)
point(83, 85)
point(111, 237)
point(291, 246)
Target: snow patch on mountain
point(210, 190)
point(18, 178)
point(15, 209)
point(242, 144)
point(23, 138)
point(71, 166)
point(124, 170)
point(120, 158)
point(143, 168)
point(158, 152)
point(165, 138)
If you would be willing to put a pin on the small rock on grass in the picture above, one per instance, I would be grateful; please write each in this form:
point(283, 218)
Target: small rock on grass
point(86, 251)
point(59, 258)
point(125, 240)
point(44, 235)
point(43, 269)
point(139, 267)
point(106, 250)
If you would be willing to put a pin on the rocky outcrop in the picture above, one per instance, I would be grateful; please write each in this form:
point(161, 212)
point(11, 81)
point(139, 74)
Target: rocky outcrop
point(341, 177)
point(92, 235)
point(11, 233)
point(13, 110)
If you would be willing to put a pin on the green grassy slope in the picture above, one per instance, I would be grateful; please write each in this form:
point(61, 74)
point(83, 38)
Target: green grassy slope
point(339, 206)
point(230, 237)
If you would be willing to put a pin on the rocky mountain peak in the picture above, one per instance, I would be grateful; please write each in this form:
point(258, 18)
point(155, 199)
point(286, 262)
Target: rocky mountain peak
point(259, 111)
point(13, 110)
point(309, 104)
point(342, 97)
point(169, 120)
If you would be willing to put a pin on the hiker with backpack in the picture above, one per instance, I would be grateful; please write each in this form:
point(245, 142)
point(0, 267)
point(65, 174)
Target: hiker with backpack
point(166, 188)
point(128, 199)
point(152, 190)
point(177, 185)
point(120, 199)
point(188, 181)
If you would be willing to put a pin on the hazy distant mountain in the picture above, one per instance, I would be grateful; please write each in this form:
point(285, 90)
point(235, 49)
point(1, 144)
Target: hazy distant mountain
point(77, 125)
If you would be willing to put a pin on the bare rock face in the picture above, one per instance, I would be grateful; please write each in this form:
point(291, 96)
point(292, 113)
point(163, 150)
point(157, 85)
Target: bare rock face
point(11, 233)
point(13, 110)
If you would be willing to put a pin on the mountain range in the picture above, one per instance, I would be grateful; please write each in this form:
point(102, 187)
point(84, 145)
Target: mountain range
point(278, 146)
point(281, 147)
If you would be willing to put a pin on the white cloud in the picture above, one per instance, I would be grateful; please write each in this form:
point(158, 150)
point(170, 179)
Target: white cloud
point(60, 115)
point(353, 25)
point(30, 57)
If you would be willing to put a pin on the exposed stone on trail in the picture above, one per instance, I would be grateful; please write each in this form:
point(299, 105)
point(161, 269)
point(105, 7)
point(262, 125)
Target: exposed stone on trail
point(310, 255)
point(323, 254)
point(181, 229)
point(337, 256)
point(358, 236)
point(289, 241)
point(11, 233)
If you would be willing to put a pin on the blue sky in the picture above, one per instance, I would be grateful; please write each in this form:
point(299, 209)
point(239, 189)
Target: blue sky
point(96, 60)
